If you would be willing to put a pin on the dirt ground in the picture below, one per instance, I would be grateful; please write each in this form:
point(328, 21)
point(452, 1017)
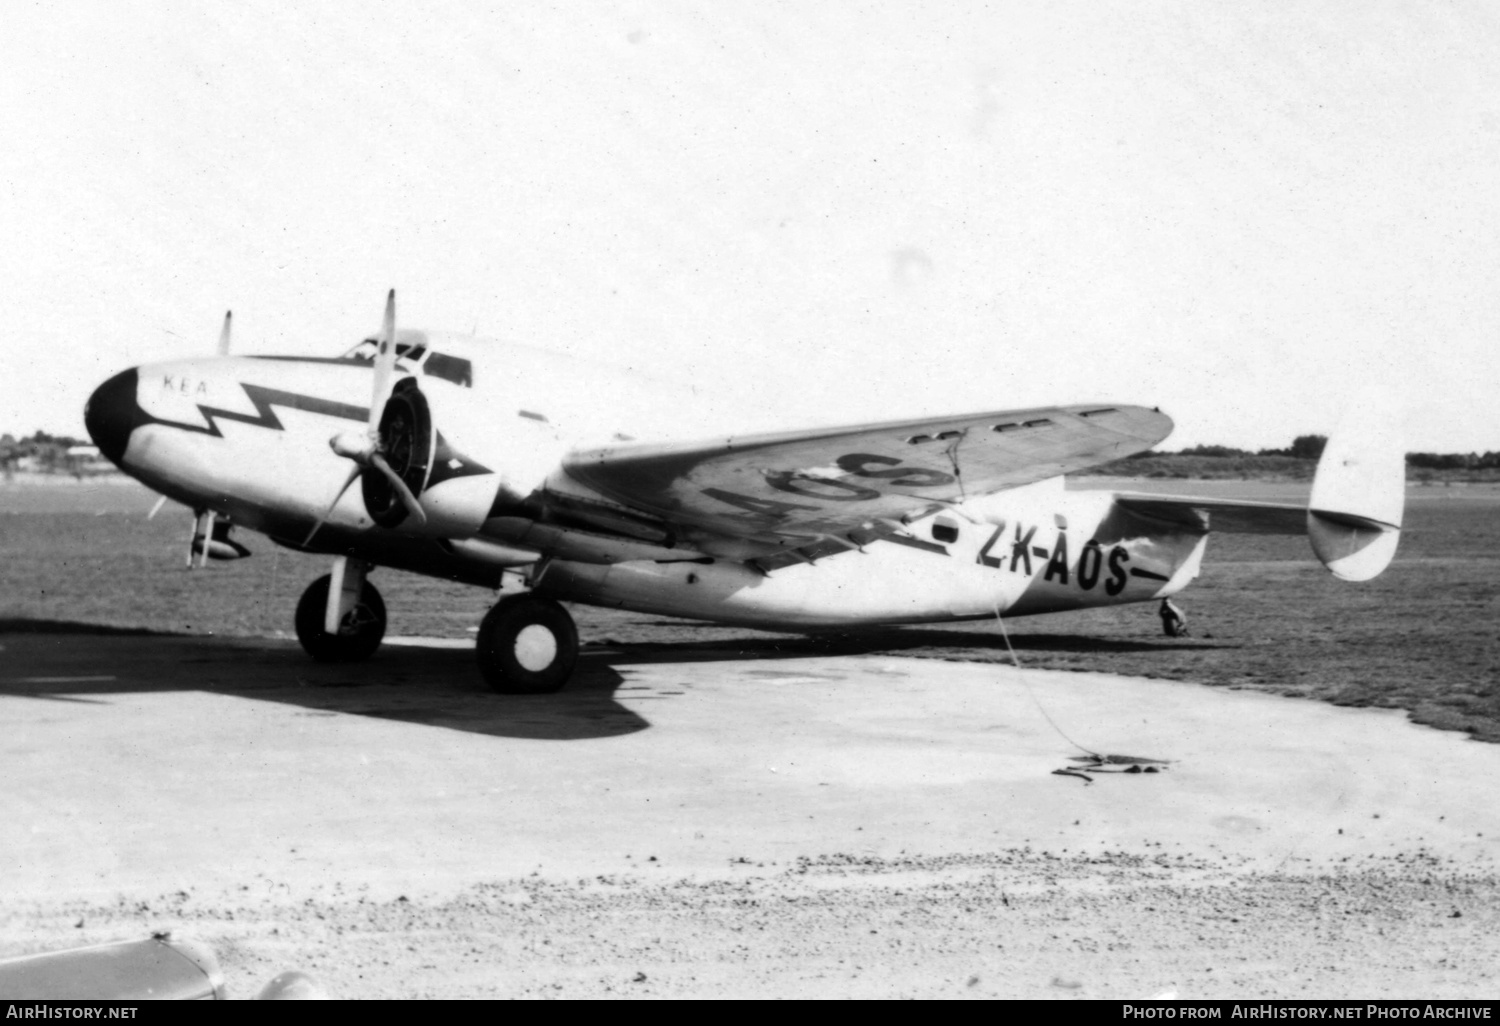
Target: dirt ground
point(1012, 924)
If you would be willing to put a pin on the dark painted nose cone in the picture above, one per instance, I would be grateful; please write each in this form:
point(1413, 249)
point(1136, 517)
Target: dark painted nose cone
point(112, 413)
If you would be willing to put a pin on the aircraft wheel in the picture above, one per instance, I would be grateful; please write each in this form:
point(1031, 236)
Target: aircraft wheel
point(527, 646)
point(359, 635)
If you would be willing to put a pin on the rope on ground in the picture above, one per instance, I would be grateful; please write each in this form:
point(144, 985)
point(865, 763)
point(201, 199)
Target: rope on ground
point(1093, 762)
point(1027, 684)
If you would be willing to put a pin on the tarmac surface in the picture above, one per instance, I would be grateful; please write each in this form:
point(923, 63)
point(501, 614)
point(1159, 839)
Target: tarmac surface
point(234, 789)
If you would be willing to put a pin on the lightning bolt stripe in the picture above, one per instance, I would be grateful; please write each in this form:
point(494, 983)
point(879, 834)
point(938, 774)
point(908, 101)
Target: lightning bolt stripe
point(264, 400)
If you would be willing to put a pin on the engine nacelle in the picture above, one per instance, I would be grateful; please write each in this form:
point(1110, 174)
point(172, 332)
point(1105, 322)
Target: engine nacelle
point(463, 460)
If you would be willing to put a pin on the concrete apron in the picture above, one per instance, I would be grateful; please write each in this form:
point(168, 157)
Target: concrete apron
point(733, 768)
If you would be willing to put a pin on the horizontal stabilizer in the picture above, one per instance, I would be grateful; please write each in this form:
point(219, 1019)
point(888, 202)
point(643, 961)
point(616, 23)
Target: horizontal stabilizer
point(1197, 513)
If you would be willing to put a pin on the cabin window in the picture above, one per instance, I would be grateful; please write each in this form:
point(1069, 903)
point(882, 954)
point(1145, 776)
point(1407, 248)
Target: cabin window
point(945, 529)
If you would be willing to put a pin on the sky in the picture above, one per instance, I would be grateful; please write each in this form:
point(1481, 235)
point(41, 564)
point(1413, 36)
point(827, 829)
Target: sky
point(1240, 212)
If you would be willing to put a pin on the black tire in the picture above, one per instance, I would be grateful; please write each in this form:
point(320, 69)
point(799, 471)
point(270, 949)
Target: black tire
point(527, 646)
point(359, 635)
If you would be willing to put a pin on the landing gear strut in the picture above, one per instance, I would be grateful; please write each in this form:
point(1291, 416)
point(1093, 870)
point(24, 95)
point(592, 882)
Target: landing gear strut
point(527, 646)
point(360, 629)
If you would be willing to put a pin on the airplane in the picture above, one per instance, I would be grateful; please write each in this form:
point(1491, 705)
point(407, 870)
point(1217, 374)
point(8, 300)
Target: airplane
point(547, 480)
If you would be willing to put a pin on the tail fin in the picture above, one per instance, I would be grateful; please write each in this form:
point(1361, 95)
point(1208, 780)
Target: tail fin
point(1359, 494)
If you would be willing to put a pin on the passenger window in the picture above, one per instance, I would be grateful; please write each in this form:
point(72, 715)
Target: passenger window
point(945, 529)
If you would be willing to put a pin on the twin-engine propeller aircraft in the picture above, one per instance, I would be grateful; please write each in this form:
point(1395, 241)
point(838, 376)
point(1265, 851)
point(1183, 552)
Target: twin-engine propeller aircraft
point(550, 480)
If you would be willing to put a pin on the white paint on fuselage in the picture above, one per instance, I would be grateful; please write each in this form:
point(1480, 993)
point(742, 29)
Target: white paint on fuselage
point(279, 466)
point(216, 446)
point(985, 572)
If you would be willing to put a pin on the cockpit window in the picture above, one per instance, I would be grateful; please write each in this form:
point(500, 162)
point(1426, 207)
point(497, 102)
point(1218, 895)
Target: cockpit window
point(367, 350)
point(433, 364)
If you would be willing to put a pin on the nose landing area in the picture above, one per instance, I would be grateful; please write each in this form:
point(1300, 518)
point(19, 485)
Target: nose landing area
point(112, 413)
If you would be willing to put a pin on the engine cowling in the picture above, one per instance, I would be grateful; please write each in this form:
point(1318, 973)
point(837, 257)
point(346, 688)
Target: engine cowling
point(410, 444)
point(457, 488)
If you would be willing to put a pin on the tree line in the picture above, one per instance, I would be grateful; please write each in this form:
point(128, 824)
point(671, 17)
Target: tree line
point(1310, 447)
point(50, 452)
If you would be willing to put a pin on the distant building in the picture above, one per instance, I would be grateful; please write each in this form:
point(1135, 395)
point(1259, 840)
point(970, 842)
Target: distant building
point(85, 460)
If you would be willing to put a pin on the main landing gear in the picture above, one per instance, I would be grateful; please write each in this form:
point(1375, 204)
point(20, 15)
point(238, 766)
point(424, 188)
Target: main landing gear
point(527, 645)
point(360, 620)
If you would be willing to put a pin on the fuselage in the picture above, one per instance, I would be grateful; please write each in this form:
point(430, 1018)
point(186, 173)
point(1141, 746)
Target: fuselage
point(249, 437)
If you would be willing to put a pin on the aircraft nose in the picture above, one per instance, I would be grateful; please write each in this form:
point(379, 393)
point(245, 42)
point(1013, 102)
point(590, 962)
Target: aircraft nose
point(112, 413)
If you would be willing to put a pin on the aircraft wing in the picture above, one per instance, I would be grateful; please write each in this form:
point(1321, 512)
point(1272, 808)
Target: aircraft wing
point(779, 491)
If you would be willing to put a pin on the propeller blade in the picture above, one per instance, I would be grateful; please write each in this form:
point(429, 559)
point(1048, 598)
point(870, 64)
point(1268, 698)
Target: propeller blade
point(354, 473)
point(203, 522)
point(407, 498)
point(156, 508)
point(207, 532)
point(385, 363)
point(224, 335)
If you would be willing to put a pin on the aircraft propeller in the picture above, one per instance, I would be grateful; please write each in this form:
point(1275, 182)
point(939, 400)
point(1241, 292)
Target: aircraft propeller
point(366, 449)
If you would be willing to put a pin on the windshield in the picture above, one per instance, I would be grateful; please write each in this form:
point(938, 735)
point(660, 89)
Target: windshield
point(416, 356)
point(367, 350)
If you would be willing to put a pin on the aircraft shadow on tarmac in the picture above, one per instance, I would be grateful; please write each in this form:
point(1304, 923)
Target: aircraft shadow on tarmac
point(436, 687)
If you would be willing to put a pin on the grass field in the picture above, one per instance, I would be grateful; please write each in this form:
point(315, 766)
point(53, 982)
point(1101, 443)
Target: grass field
point(1424, 637)
point(1265, 468)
